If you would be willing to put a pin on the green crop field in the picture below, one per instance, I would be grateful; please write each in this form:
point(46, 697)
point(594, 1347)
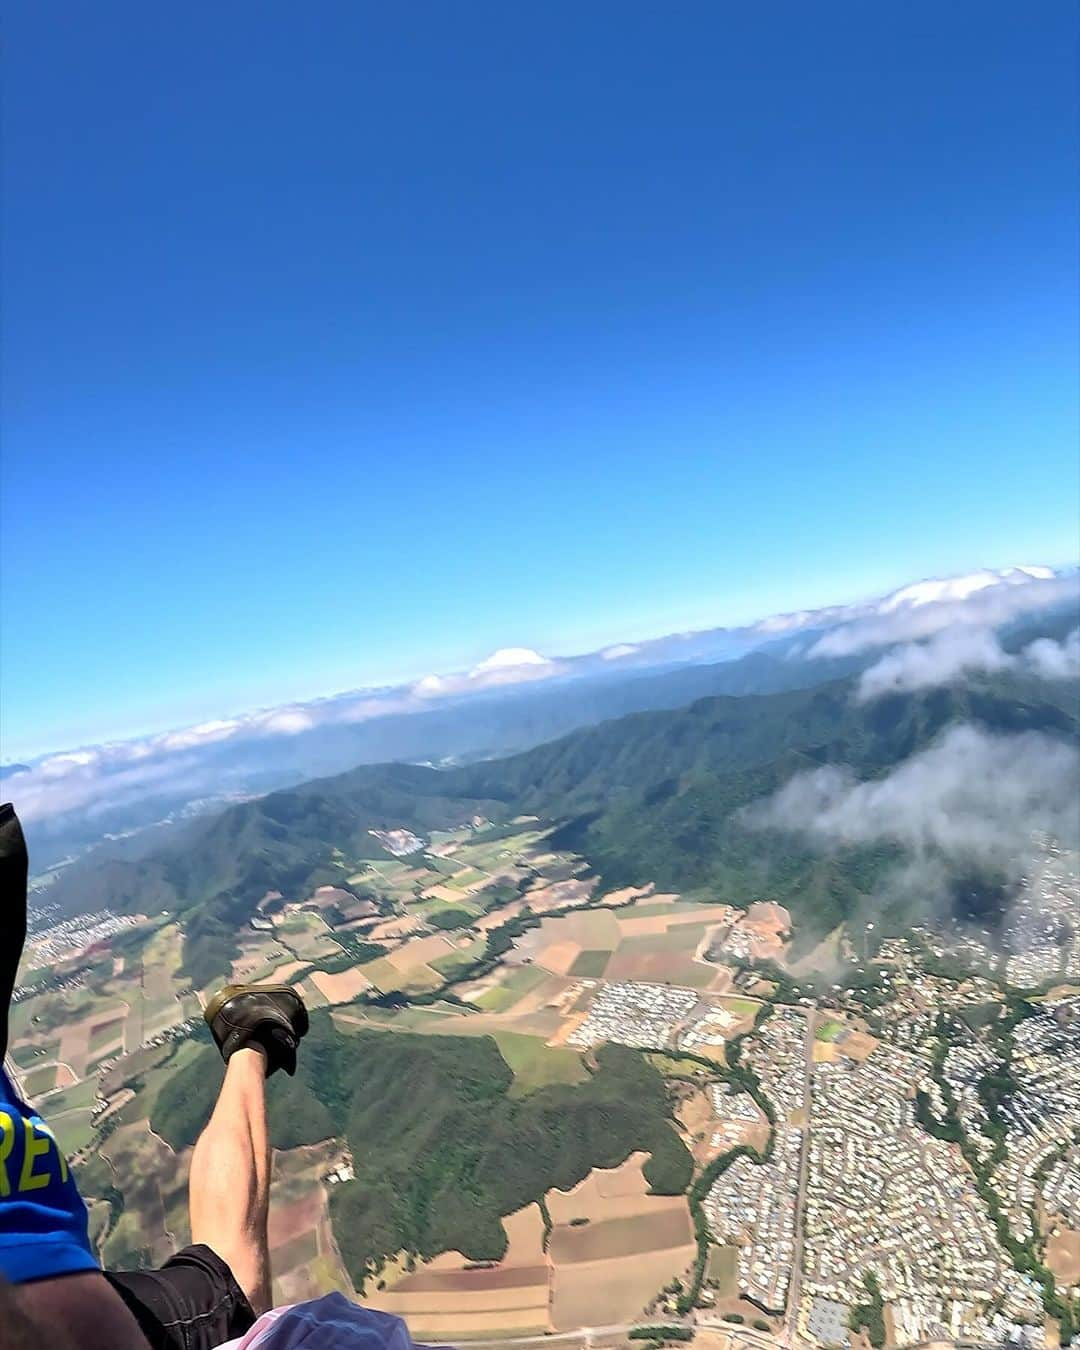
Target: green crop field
point(47, 1012)
point(446, 867)
point(151, 1069)
point(39, 1081)
point(107, 1032)
point(73, 1129)
point(25, 1056)
point(520, 981)
point(469, 876)
point(723, 1268)
point(828, 1031)
point(590, 964)
point(535, 1064)
point(452, 962)
point(672, 1066)
point(69, 1115)
point(423, 909)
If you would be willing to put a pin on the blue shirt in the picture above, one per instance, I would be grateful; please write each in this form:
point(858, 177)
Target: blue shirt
point(43, 1225)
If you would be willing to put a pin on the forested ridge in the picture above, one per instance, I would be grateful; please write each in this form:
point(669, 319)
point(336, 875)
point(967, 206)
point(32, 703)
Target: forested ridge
point(441, 1150)
point(649, 797)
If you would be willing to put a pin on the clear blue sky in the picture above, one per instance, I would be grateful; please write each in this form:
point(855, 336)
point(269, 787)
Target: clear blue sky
point(350, 341)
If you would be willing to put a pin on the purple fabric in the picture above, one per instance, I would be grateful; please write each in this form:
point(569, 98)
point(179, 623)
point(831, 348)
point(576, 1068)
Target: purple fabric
point(328, 1323)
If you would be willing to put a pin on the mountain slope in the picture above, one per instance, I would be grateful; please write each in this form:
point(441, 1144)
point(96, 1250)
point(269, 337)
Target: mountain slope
point(215, 873)
point(652, 796)
point(657, 796)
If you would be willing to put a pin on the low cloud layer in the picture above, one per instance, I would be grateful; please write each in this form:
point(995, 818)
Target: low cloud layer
point(955, 654)
point(507, 666)
point(972, 796)
point(984, 600)
point(1055, 660)
point(121, 785)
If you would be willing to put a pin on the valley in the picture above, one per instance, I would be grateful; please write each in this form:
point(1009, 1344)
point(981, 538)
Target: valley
point(542, 1092)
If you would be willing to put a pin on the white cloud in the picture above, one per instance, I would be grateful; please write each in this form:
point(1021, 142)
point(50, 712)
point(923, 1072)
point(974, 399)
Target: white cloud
point(971, 795)
point(285, 722)
point(206, 733)
point(507, 666)
point(982, 600)
point(435, 686)
point(1055, 660)
point(92, 778)
point(380, 705)
point(948, 589)
point(92, 788)
point(953, 655)
point(509, 658)
point(61, 766)
point(946, 657)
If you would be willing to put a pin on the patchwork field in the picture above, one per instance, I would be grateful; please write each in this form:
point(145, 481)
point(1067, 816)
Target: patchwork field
point(152, 1184)
point(612, 1246)
point(304, 1256)
point(341, 988)
point(661, 940)
point(610, 1268)
point(453, 1298)
point(306, 936)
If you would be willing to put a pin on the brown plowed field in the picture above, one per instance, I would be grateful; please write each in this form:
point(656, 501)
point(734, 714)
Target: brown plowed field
point(446, 1299)
point(341, 988)
point(1063, 1256)
point(600, 1292)
point(615, 1238)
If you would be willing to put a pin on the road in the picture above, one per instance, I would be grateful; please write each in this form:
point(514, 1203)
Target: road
point(795, 1290)
point(740, 1336)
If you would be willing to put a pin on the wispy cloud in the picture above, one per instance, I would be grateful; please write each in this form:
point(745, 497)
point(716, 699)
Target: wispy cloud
point(1055, 660)
point(101, 779)
point(955, 654)
point(972, 796)
point(232, 753)
point(982, 600)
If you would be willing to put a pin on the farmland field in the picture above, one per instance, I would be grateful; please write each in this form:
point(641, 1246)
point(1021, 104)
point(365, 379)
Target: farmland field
point(39, 1081)
point(517, 981)
point(535, 1064)
point(25, 1056)
point(590, 964)
point(626, 1243)
point(723, 1268)
point(447, 1299)
point(608, 1269)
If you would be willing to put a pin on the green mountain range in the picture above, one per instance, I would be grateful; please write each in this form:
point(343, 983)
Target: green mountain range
point(649, 797)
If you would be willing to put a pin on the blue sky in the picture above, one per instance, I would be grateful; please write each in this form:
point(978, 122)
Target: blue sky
point(349, 344)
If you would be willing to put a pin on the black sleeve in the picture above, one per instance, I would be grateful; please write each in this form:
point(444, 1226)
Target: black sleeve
point(13, 873)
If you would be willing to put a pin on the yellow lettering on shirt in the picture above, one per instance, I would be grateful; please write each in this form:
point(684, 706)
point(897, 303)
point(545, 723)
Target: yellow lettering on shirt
point(7, 1143)
point(36, 1147)
point(44, 1129)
